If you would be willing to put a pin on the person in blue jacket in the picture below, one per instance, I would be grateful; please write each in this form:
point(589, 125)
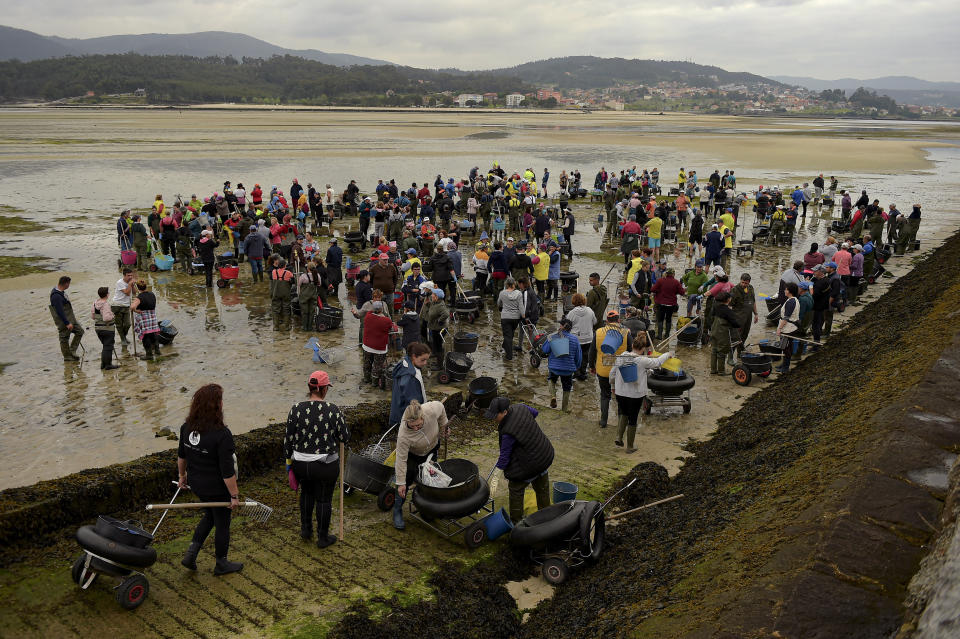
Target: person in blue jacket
point(562, 362)
point(408, 381)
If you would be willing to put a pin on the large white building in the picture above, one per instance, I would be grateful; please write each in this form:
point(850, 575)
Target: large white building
point(514, 99)
point(463, 98)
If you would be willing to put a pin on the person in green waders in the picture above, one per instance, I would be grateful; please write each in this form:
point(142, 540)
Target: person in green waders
point(140, 243)
point(744, 305)
point(310, 286)
point(66, 322)
point(724, 320)
point(281, 287)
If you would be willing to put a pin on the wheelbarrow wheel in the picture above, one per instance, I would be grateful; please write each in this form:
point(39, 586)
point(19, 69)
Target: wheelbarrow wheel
point(555, 571)
point(475, 535)
point(222, 283)
point(76, 571)
point(534, 360)
point(386, 498)
point(647, 405)
point(132, 591)
point(443, 377)
point(154, 268)
point(741, 376)
point(687, 406)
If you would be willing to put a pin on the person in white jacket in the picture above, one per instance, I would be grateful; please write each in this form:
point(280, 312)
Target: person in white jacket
point(634, 365)
point(583, 320)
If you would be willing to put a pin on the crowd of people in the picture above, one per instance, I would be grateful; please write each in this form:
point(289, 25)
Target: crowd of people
point(413, 268)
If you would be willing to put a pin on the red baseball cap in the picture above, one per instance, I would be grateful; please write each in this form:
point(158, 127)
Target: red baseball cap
point(319, 379)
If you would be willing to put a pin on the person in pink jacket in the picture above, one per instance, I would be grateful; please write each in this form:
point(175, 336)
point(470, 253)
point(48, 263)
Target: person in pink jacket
point(842, 258)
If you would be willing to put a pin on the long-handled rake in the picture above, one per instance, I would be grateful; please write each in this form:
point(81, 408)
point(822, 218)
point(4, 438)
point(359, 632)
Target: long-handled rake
point(250, 508)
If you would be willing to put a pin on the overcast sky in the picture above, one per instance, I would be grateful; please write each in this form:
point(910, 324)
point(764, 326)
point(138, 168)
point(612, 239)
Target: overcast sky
point(821, 38)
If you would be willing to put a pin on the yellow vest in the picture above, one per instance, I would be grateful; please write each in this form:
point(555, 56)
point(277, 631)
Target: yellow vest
point(603, 370)
point(635, 265)
point(414, 260)
point(542, 270)
point(727, 239)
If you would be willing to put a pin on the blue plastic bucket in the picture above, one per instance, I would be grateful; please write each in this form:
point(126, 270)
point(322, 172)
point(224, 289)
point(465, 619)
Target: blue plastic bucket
point(628, 373)
point(497, 524)
point(560, 346)
point(564, 491)
point(611, 342)
point(349, 262)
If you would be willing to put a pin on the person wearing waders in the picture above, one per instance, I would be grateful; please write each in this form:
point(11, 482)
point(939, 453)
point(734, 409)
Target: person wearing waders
point(743, 304)
point(563, 361)
point(597, 299)
point(120, 304)
point(630, 395)
point(723, 321)
point(310, 286)
point(62, 312)
point(103, 325)
point(418, 437)
point(598, 360)
point(281, 287)
point(525, 454)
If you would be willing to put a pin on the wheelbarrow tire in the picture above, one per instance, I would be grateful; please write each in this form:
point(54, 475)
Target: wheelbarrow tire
point(154, 268)
point(90, 540)
point(132, 591)
point(443, 377)
point(535, 360)
point(76, 570)
point(475, 535)
point(386, 498)
point(687, 406)
point(741, 376)
point(555, 571)
point(222, 283)
point(647, 405)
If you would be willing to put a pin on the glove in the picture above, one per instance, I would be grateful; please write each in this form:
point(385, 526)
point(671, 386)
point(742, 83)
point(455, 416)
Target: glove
point(289, 465)
point(495, 480)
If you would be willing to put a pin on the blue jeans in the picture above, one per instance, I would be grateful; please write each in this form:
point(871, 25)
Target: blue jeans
point(697, 299)
point(126, 243)
point(256, 265)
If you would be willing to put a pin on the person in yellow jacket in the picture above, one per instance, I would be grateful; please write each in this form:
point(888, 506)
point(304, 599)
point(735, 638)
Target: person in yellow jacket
point(541, 270)
point(598, 357)
point(681, 179)
point(654, 228)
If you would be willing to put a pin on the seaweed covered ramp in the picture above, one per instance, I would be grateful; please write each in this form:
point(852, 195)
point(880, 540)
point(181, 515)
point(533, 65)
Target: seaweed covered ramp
point(803, 516)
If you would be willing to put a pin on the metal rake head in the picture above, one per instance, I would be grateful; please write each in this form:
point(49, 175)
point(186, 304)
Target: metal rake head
point(377, 452)
point(255, 510)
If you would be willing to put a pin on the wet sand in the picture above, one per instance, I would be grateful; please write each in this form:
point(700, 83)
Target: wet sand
point(63, 418)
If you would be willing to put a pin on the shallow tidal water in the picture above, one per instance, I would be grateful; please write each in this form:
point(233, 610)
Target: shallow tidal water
point(73, 170)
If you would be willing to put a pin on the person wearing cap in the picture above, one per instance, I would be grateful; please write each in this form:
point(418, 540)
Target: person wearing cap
point(281, 289)
point(806, 311)
point(562, 362)
point(793, 274)
point(418, 438)
point(205, 252)
point(384, 277)
point(376, 339)
point(630, 395)
point(600, 364)
point(435, 315)
point(315, 429)
point(744, 305)
point(480, 262)
point(526, 454)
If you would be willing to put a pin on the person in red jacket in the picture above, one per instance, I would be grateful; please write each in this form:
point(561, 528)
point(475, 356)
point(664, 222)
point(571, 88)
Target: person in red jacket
point(376, 337)
point(665, 293)
point(256, 196)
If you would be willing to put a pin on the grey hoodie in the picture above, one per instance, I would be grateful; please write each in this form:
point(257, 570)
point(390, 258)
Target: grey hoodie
point(509, 303)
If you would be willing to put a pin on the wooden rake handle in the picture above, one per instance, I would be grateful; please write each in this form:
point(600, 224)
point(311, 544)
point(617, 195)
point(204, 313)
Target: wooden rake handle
point(202, 504)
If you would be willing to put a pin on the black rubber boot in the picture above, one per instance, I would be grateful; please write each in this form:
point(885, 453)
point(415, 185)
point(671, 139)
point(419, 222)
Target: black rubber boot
point(225, 566)
point(631, 435)
point(324, 538)
point(398, 513)
point(190, 557)
point(604, 411)
point(621, 427)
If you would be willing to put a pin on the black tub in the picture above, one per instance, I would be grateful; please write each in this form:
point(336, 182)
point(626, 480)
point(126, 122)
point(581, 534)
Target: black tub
point(482, 391)
point(167, 332)
point(464, 481)
point(465, 342)
point(127, 533)
point(330, 316)
point(458, 363)
point(756, 362)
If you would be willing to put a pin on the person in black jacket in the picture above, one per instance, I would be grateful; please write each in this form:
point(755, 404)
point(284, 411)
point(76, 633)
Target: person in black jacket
point(207, 461)
point(205, 248)
point(443, 274)
point(525, 454)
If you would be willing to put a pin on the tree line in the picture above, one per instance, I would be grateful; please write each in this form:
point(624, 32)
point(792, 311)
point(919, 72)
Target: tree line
point(280, 79)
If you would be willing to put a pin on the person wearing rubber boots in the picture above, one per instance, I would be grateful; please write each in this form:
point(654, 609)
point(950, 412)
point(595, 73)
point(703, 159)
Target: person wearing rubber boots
point(630, 394)
point(62, 312)
point(563, 361)
point(744, 305)
point(418, 437)
point(724, 320)
point(281, 289)
point(599, 363)
point(525, 454)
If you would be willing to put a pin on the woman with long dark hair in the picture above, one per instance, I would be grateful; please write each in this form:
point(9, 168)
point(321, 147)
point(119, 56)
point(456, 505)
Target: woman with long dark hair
point(314, 429)
point(207, 461)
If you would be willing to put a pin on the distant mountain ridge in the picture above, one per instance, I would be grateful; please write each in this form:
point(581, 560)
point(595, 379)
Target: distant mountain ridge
point(590, 72)
point(903, 89)
point(27, 45)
